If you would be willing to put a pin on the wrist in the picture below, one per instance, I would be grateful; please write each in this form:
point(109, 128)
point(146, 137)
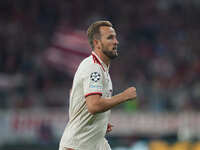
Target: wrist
point(124, 96)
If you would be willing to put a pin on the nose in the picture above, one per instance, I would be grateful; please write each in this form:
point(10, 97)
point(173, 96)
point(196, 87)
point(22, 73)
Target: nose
point(116, 41)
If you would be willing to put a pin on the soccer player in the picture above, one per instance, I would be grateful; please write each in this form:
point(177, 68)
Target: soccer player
point(91, 96)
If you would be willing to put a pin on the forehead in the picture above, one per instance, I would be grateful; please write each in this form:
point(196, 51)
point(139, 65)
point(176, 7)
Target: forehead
point(105, 30)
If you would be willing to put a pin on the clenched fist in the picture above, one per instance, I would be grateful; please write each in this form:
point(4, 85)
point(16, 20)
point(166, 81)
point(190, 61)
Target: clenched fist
point(130, 93)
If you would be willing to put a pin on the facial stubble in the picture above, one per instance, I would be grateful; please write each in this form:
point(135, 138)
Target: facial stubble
point(109, 53)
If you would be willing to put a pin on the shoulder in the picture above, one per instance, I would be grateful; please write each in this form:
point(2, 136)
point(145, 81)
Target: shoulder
point(88, 65)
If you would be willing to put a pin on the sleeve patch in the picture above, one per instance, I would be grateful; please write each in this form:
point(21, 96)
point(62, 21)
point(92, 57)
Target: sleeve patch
point(95, 76)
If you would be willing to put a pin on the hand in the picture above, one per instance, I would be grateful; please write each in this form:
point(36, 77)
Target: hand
point(130, 93)
point(109, 128)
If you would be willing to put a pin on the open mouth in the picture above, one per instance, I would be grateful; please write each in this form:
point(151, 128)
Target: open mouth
point(115, 48)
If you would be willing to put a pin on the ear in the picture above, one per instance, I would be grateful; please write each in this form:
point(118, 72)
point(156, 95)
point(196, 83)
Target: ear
point(96, 43)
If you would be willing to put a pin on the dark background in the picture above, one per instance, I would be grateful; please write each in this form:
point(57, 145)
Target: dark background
point(159, 54)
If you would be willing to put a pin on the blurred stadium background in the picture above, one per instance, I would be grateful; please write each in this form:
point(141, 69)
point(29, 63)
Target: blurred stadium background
point(43, 41)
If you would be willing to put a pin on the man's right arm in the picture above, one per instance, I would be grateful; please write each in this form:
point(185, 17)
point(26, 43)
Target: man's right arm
point(97, 104)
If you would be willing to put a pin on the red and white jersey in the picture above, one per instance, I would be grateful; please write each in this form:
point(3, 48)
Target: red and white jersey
point(85, 131)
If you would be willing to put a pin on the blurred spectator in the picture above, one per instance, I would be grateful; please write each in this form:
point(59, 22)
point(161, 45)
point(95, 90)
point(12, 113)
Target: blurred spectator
point(159, 51)
point(45, 133)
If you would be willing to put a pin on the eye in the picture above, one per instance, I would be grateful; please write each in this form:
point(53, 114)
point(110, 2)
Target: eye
point(110, 37)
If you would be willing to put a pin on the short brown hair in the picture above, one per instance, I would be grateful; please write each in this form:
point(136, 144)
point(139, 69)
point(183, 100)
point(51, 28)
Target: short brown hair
point(93, 30)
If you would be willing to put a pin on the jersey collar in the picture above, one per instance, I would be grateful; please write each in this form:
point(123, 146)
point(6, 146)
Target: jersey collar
point(99, 61)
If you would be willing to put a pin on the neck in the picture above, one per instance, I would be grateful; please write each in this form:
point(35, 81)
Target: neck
point(102, 56)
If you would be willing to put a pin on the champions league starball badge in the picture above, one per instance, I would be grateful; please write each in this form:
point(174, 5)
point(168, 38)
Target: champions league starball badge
point(95, 76)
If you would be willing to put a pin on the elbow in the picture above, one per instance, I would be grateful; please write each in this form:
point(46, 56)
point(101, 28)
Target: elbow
point(92, 111)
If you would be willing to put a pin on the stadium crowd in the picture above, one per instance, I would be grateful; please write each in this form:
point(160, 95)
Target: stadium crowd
point(159, 51)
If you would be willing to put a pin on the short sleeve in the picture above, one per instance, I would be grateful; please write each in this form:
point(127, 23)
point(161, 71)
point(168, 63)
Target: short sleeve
point(93, 81)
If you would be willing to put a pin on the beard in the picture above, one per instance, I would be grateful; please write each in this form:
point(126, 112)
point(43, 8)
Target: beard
point(110, 54)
